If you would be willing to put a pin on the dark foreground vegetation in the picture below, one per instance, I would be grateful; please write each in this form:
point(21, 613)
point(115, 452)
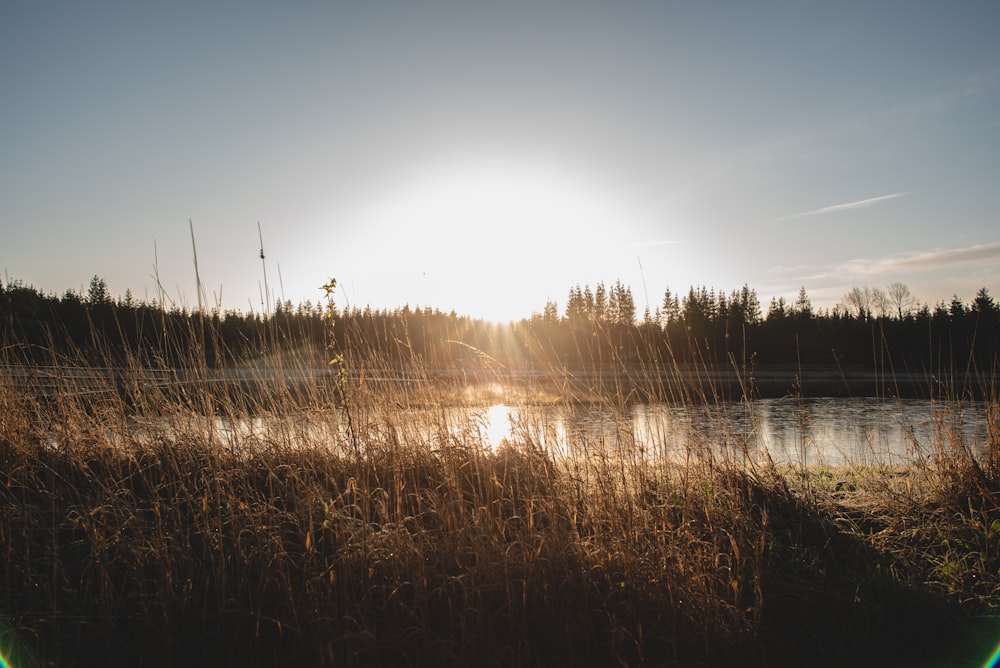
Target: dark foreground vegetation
point(154, 539)
point(154, 523)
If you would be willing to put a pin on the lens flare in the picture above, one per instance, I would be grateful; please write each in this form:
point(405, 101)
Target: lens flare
point(994, 660)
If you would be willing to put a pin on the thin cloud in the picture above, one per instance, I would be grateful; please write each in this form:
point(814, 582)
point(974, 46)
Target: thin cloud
point(912, 262)
point(846, 206)
point(924, 260)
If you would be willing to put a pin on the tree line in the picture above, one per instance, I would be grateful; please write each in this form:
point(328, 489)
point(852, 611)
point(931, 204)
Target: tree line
point(599, 327)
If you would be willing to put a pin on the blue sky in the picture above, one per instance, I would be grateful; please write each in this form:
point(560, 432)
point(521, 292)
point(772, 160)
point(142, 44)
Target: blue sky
point(486, 157)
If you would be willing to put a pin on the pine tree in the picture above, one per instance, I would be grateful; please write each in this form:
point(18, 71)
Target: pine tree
point(803, 305)
point(600, 303)
point(670, 310)
point(983, 303)
point(778, 309)
point(576, 305)
point(550, 314)
point(97, 293)
point(621, 305)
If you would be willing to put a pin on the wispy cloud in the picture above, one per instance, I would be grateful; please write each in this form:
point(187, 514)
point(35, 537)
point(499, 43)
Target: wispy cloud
point(845, 206)
point(932, 273)
point(923, 260)
point(915, 261)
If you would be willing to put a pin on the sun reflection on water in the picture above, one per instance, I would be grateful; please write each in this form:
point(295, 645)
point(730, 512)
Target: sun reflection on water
point(827, 432)
point(499, 424)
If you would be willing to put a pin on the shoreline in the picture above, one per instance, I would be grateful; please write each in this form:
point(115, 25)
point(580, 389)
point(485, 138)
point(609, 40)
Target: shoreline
point(641, 383)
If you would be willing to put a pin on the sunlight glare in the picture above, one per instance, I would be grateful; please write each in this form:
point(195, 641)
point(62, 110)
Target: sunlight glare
point(492, 239)
point(499, 424)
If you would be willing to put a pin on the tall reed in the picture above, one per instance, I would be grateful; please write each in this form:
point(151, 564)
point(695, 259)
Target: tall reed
point(280, 513)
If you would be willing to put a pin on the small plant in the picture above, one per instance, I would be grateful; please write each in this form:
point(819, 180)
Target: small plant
point(330, 313)
point(336, 360)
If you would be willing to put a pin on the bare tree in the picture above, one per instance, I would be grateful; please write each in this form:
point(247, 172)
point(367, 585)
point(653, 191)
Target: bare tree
point(880, 302)
point(900, 299)
point(859, 300)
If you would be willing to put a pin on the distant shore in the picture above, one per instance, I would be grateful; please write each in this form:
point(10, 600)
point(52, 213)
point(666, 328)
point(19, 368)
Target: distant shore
point(644, 383)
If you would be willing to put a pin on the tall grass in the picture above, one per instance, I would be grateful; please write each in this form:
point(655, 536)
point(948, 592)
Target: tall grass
point(280, 514)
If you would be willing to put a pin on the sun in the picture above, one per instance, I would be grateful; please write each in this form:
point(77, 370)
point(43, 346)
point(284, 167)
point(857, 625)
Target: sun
point(488, 238)
point(513, 208)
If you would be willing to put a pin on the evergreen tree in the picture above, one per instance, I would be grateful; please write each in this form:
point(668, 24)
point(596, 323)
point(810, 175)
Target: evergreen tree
point(670, 310)
point(550, 314)
point(97, 293)
point(956, 309)
point(698, 308)
point(983, 303)
point(722, 308)
point(778, 310)
point(600, 303)
point(803, 305)
point(621, 305)
point(744, 306)
point(576, 305)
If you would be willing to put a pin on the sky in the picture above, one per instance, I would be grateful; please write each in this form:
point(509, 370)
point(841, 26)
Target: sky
point(485, 157)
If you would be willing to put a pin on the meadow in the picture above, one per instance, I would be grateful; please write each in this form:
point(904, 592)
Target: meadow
point(137, 529)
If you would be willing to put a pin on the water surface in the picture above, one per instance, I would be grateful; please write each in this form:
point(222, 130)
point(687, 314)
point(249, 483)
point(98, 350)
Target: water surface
point(825, 431)
point(831, 431)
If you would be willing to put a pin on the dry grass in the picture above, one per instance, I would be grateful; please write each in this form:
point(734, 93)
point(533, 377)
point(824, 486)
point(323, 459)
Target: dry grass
point(136, 529)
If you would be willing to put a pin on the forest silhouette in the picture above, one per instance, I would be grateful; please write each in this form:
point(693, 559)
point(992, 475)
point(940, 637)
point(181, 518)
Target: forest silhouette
point(870, 330)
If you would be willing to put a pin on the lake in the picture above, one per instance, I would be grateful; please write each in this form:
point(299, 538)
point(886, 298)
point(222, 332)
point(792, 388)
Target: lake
point(821, 431)
point(825, 431)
